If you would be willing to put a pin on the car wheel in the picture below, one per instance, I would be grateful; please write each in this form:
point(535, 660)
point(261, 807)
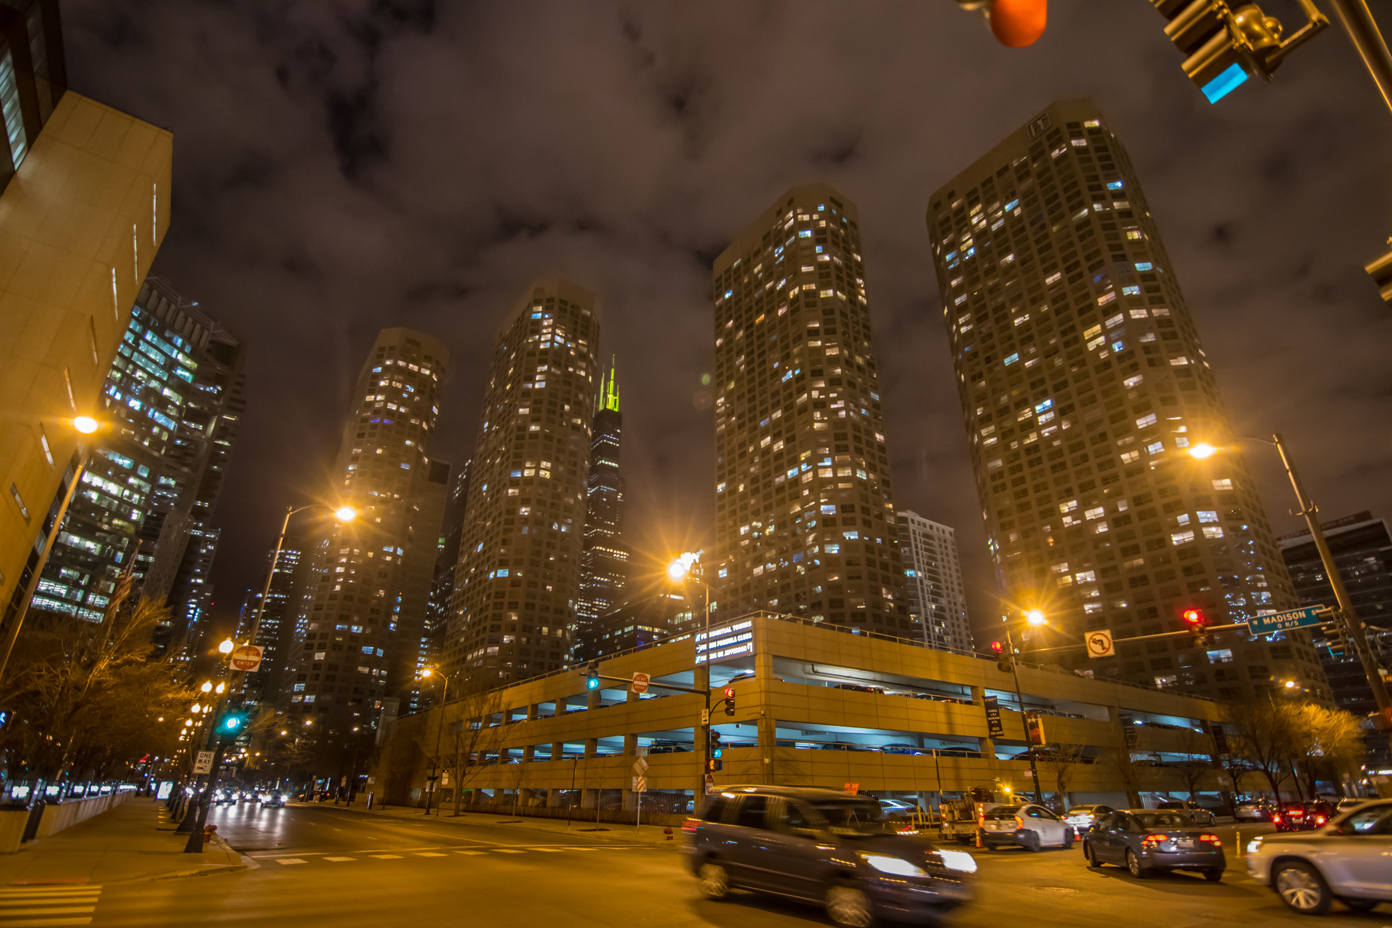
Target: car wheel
point(713, 881)
point(1360, 905)
point(1032, 842)
point(1067, 839)
point(1302, 888)
point(849, 906)
point(1133, 863)
point(1090, 856)
point(1214, 875)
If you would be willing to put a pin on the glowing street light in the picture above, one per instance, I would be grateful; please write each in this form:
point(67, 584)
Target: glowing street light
point(1202, 450)
point(85, 424)
point(206, 687)
point(226, 646)
point(345, 513)
point(1036, 617)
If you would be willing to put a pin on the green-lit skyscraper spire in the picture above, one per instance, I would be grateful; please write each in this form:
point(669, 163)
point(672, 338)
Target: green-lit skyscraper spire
point(608, 390)
point(604, 564)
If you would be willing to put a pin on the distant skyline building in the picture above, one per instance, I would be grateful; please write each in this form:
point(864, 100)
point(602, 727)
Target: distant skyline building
point(84, 207)
point(365, 605)
point(638, 624)
point(805, 518)
point(518, 579)
point(442, 582)
point(1083, 383)
point(274, 633)
point(137, 494)
point(604, 564)
point(1362, 549)
point(937, 595)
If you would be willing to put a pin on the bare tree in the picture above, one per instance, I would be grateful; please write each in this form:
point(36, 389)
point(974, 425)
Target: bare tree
point(1198, 763)
point(1133, 776)
point(473, 734)
point(1061, 759)
point(1324, 741)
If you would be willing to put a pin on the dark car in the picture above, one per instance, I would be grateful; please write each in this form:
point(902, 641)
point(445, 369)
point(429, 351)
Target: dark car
point(1196, 813)
point(825, 847)
point(1144, 842)
point(1082, 818)
point(1302, 816)
point(273, 798)
point(225, 795)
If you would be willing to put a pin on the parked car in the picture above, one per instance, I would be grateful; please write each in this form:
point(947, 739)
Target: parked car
point(899, 748)
point(1346, 860)
point(1347, 805)
point(1196, 813)
point(1252, 810)
point(1083, 818)
point(823, 846)
point(1302, 816)
point(1144, 841)
point(274, 798)
point(859, 688)
point(1028, 826)
point(842, 746)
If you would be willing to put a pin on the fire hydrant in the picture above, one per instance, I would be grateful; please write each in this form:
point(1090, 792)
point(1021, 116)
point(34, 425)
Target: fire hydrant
point(668, 832)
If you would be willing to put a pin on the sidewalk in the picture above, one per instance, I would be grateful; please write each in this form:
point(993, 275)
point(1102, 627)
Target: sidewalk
point(580, 827)
point(132, 842)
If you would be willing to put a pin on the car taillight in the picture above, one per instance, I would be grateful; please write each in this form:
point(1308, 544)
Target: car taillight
point(1211, 839)
point(1019, 822)
point(1153, 840)
point(691, 826)
point(1276, 819)
point(1319, 819)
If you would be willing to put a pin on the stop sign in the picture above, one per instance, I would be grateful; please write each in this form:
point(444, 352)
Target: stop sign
point(246, 657)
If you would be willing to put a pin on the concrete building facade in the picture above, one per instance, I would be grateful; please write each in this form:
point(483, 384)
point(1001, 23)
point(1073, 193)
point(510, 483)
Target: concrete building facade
point(518, 579)
point(84, 208)
point(936, 593)
point(1083, 383)
point(805, 519)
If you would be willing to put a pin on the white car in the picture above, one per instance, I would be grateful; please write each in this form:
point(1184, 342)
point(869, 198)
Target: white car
point(1350, 860)
point(1028, 825)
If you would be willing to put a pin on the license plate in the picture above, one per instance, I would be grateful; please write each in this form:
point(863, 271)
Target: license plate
point(1184, 843)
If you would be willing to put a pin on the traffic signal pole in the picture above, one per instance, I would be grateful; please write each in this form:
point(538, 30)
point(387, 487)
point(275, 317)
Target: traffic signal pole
point(1362, 31)
point(1024, 723)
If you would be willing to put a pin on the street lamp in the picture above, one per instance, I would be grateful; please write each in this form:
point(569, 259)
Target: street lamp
point(83, 425)
point(426, 674)
point(1345, 616)
point(341, 513)
point(680, 572)
point(1035, 618)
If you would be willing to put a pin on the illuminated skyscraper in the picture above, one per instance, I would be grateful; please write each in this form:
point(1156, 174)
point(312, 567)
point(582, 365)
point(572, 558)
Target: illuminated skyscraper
point(518, 579)
point(1083, 383)
point(604, 564)
point(805, 520)
point(936, 594)
point(366, 604)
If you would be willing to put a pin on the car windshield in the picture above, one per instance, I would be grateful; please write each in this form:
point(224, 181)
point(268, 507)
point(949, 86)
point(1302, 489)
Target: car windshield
point(856, 817)
point(1150, 820)
point(1003, 812)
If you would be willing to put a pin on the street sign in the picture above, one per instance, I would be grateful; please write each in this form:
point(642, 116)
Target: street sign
point(705, 717)
point(1291, 618)
point(246, 657)
point(851, 788)
point(204, 763)
point(166, 787)
point(1034, 729)
point(1099, 643)
point(640, 784)
point(640, 766)
point(994, 726)
point(640, 683)
point(710, 783)
point(1029, 774)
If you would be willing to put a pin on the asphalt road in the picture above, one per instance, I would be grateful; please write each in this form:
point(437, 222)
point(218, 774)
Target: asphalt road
point(331, 867)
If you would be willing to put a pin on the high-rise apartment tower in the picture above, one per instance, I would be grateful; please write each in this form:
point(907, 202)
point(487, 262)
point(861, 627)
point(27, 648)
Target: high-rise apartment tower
point(1083, 384)
point(518, 580)
point(805, 520)
point(357, 643)
point(936, 594)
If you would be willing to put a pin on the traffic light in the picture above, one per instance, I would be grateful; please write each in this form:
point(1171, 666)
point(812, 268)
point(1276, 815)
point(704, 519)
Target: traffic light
point(592, 676)
point(1002, 659)
point(716, 751)
point(1198, 626)
point(1380, 269)
point(1017, 23)
point(729, 700)
point(714, 764)
point(1335, 641)
point(1224, 46)
point(231, 724)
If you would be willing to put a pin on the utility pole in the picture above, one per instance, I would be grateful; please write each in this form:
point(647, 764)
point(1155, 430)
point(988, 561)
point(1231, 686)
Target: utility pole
point(1024, 723)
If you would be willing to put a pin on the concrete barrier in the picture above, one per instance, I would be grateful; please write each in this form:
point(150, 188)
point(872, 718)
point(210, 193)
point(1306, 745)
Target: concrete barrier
point(60, 815)
point(12, 822)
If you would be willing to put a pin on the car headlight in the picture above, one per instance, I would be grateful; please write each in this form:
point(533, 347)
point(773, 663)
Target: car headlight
point(958, 860)
point(1254, 845)
point(895, 866)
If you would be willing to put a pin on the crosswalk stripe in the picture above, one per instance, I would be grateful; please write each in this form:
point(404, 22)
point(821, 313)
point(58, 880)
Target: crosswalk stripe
point(49, 910)
point(430, 854)
point(50, 922)
point(336, 859)
point(387, 856)
point(288, 860)
point(47, 897)
point(472, 853)
point(507, 850)
point(546, 850)
point(49, 890)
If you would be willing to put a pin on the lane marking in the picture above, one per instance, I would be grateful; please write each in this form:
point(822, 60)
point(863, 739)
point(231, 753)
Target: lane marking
point(430, 854)
point(48, 910)
point(48, 890)
point(546, 850)
point(387, 856)
point(22, 898)
point(289, 860)
point(507, 850)
point(473, 853)
point(50, 922)
point(336, 859)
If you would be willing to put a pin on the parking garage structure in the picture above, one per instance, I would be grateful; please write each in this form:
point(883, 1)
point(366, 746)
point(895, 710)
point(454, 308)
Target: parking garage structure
point(814, 705)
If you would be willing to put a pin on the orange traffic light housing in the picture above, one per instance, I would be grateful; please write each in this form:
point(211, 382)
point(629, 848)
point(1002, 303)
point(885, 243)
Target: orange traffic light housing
point(1003, 662)
point(1198, 626)
point(1193, 617)
point(1018, 23)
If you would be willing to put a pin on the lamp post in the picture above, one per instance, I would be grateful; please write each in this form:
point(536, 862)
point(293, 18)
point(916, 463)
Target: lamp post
point(439, 730)
point(341, 513)
point(1351, 624)
point(1036, 618)
point(679, 571)
point(83, 425)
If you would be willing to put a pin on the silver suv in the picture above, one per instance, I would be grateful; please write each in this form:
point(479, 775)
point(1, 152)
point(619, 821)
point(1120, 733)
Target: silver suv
point(1347, 860)
point(827, 847)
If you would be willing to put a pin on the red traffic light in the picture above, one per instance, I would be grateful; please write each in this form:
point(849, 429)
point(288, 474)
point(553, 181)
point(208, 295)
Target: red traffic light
point(1018, 23)
point(1193, 616)
point(997, 647)
point(729, 692)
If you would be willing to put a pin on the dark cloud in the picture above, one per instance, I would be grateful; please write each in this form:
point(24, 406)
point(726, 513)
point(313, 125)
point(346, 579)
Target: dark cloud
point(348, 165)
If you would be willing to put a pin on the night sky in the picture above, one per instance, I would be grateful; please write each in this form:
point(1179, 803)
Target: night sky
point(345, 166)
